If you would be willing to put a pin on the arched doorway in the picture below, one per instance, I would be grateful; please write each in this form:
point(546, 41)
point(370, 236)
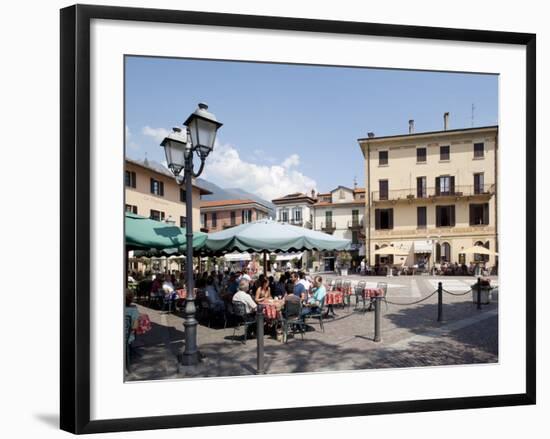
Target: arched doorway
point(443, 252)
point(479, 257)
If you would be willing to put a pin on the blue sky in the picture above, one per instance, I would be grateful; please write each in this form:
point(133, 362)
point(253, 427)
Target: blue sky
point(291, 128)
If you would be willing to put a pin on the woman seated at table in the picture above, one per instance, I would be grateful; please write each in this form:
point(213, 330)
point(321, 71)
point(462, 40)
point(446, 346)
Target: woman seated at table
point(131, 310)
point(313, 302)
point(263, 292)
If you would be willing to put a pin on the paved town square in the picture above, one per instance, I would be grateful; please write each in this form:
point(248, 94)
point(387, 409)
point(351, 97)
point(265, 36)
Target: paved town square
point(411, 337)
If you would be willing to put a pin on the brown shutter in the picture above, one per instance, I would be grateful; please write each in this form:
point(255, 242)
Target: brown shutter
point(452, 185)
point(151, 187)
point(161, 184)
point(438, 216)
point(390, 218)
point(437, 186)
point(377, 219)
point(453, 221)
point(486, 214)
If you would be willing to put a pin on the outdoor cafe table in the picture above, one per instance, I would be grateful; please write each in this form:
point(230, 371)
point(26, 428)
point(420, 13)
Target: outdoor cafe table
point(333, 298)
point(371, 293)
point(272, 310)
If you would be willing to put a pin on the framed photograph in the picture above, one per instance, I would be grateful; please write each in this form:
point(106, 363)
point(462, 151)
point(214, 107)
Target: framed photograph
point(274, 218)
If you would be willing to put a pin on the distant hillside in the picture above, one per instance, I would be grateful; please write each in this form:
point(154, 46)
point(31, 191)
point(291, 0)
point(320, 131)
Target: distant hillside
point(219, 193)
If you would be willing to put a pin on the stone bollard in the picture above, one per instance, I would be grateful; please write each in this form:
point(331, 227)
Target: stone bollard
point(439, 301)
point(260, 339)
point(377, 337)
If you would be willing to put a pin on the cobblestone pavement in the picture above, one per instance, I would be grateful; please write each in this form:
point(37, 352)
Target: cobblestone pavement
point(411, 337)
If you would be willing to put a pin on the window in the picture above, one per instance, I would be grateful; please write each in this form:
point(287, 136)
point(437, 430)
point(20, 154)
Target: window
point(421, 217)
point(131, 209)
point(157, 187)
point(443, 252)
point(445, 216)
point(246, 216)
point(182, 195)
point(479, 186)
point(328, 218)
point(383, 219)
point(479, 150)
point(421, 189)
point(479, 214)
point(445, 185)
point(204, 219)
point(445, 152)
point(341, 194)
point(156, 215)
point(214, 219)
point(355, 217)
point(297, 214)
point(383, 188)
point(284, 215)
point(183, 221)
point(233, 219)
point(130, 178)
point(420, 155)
point(382, 158)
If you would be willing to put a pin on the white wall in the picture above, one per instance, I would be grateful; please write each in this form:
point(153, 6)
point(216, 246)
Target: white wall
point(29, 90)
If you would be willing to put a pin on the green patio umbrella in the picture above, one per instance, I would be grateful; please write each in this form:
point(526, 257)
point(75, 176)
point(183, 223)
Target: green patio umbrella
point(270, 236)
point(145, 234)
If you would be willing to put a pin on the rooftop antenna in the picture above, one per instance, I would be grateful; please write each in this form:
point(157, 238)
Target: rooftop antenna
point(355, 182)
point(473, 110)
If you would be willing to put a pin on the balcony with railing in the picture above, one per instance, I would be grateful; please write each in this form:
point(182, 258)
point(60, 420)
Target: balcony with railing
point(328, 226)
point(434, 193)
point(296, 222)
point(355, 224)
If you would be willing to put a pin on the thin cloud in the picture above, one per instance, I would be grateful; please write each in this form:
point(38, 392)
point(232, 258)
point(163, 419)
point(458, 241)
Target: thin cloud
point(226, 168)
point(156, 133)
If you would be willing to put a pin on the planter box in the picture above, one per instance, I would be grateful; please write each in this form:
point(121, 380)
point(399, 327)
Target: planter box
point(485, 294)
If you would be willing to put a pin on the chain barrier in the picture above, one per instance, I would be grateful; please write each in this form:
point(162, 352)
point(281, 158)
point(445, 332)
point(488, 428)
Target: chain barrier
point(458, 294)
point(411, 303)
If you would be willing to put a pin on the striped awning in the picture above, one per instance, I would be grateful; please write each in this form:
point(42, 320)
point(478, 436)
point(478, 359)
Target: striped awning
point(422, 247)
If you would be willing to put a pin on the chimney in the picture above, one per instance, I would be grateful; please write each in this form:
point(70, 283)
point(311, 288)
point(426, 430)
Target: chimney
point(370, 135)
point(411, 126)
point(313, 193)
point(446, 121)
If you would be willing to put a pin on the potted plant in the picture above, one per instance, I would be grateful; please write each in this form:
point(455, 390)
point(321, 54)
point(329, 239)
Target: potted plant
point(344, 259)
point(484, 286)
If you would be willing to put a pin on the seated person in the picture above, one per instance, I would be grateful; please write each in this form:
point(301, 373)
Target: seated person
point(131, 310)
point(263, 292)
point(299, 288)
point(214, 299)
point(319, 293)
point(242, 296)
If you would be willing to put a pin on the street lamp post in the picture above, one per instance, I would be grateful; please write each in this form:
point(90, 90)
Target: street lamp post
point(179, 148)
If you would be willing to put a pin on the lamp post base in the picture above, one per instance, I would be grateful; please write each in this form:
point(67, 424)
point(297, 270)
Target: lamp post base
point(190, 359)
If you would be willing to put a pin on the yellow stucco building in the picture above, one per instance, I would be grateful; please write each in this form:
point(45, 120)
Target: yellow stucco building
point(431, 195)
point(152, 191)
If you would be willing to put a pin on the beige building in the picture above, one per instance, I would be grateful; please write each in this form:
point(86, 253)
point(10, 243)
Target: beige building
point(152, 191)
point(340, 213)
point(223, 214)
point(432, 194)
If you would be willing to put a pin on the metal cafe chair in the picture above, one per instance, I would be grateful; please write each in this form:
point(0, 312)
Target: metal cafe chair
point(291, 319)
point(245, 319)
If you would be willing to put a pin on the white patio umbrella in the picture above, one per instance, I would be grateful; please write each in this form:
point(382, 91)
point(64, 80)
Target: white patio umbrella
point(478, 249)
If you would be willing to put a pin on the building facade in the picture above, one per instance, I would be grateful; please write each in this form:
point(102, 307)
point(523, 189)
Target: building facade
point(223, 214)
point(152, 191)
point(296, 209)
point(432, 195)
point(340, 213)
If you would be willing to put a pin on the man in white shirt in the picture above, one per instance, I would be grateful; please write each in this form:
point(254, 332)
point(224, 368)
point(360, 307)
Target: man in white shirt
point(304, 281)
point(243, 297)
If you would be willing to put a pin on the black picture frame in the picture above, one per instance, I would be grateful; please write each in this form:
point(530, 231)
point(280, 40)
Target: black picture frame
point(75, 217)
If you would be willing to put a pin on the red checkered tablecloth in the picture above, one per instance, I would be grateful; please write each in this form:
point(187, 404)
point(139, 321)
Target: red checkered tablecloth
point(334, 298)
point(271, 312)
point(373, 292)
point(144, 324)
